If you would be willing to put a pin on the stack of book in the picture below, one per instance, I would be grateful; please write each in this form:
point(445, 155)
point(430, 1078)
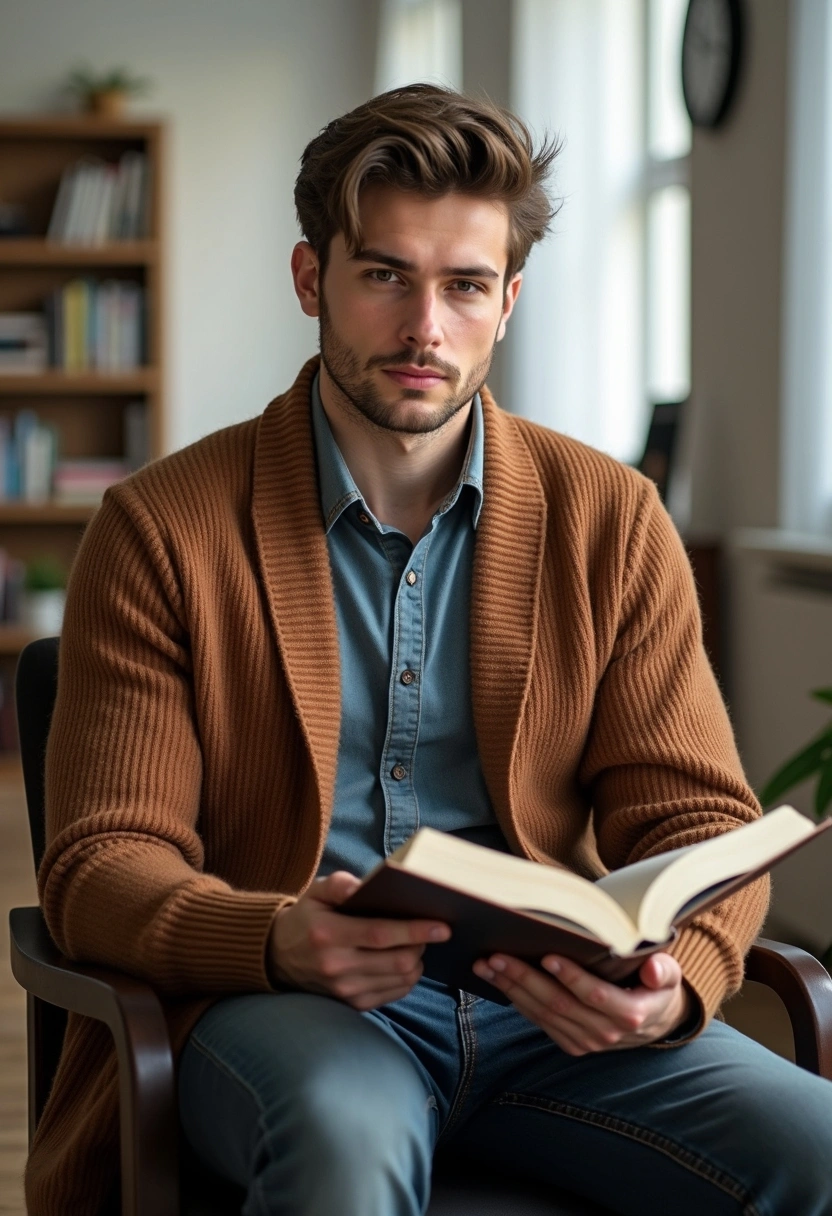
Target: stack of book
point(23, 343)
point(27, 458)
point(30, 470)
point(95, 325)
point(83, 482)
point(99, 202)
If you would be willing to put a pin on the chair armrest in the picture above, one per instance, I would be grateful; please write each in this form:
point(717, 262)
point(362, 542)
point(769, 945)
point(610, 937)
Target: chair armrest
point(147, 1089)
point(805, 988)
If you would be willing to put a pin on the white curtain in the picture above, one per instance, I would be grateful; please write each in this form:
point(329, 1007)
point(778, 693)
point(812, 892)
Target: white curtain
point(807, 315)
point(419, 40)
point(577, 345)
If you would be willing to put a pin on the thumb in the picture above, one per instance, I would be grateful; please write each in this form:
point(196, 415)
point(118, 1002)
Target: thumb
point(336, 887)
point(660, 971)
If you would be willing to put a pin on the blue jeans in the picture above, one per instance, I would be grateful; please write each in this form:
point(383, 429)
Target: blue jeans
point(321, 1111)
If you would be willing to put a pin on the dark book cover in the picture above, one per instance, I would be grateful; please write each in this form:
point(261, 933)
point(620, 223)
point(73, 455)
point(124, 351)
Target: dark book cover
point(480, 928)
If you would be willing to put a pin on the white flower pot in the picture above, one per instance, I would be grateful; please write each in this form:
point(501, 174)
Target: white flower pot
point(42, 612)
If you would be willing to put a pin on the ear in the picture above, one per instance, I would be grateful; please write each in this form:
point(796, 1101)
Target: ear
point(509, 300)
point(306, 277)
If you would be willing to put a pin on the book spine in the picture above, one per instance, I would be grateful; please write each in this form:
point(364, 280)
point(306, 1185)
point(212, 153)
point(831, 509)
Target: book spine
point(5, 444)
point(60, 210)
point(136, 435)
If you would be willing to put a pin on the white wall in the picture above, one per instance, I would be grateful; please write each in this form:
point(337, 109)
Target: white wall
point(778, 638)
point(245, 84)
point(737, 191)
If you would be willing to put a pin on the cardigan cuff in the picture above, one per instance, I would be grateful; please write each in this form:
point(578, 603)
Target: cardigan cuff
point(707, 973)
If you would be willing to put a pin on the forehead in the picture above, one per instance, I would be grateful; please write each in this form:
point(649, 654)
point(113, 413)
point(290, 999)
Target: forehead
point(454, 229)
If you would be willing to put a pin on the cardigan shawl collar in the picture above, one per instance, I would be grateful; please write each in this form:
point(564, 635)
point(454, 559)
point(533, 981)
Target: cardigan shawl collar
point(292, 550)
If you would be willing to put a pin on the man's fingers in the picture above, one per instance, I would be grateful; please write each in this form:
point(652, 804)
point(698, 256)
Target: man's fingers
point(623, 1005)
point(376, 933)
point(354, 965)
point(553, 1007)
point(335, 888)
point(660, 971)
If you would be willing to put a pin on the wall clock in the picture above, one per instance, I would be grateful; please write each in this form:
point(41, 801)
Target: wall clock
point(711, 50)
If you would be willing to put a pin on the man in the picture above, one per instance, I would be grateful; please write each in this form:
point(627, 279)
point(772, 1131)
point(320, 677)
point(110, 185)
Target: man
point(385, 603)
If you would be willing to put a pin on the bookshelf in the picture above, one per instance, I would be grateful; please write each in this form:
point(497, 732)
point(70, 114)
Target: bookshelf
point(85, 408)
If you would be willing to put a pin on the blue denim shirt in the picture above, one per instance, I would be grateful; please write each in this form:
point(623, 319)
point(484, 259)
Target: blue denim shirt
point(407, 754)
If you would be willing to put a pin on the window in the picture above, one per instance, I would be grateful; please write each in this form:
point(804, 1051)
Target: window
point(807, 311)
point(602, 326)
point(419, 40)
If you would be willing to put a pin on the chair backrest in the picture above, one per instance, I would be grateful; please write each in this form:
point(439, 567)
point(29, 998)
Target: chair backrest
point(35, 686)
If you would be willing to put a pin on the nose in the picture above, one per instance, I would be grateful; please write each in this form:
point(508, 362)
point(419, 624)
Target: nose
point(421, 326)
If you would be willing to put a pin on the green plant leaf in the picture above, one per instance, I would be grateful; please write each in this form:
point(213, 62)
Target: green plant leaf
point(823, 694)
point(823, 790)
point(84, 82)
point(798, 768)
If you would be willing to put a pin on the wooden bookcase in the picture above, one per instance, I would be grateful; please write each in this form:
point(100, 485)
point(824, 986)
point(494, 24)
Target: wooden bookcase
point(86, 408)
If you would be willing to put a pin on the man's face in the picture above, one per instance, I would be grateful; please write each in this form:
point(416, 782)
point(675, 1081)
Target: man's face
point(409, 322)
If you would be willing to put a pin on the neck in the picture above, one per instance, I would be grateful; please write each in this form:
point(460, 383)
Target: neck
point(402, 477)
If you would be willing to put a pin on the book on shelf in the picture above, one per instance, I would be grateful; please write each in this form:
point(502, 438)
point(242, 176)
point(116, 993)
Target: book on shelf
point(98, 202)
point(23, 343)
point(96, 325)
point(27, 456)
point(136, 428)
point(497, 902)
point(83, 482)
point(31, 472)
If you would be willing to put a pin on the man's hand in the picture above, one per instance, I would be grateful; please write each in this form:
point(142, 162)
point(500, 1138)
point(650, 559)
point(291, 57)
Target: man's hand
point(582, 1013)
point(365, 962)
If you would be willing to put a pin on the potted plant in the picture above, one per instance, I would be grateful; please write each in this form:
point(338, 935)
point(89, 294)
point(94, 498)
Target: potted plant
point(815, 758)
point(44, 596)
point(105, 93)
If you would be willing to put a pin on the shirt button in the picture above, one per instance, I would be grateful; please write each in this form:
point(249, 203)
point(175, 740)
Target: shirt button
point(364, 517)
point(410, 578)
point(407, 676)
point(398, 771)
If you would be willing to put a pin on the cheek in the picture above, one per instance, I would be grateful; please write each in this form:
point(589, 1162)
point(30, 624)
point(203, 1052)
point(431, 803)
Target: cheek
point(472, 329)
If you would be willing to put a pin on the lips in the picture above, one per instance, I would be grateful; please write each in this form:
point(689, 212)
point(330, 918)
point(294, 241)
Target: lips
point(420, 378)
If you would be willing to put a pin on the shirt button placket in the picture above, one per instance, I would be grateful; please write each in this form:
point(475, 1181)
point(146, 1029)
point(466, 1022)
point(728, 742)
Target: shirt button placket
point(402, 808)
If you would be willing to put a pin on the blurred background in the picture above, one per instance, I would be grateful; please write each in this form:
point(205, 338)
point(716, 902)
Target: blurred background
point(678, 317)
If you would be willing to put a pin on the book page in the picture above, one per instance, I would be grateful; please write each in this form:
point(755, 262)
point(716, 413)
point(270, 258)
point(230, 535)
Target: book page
point(516, 882)
point(629, 885)
point(683, 877)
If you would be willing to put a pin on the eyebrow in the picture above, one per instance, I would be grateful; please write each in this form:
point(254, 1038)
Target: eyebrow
point(388, 259)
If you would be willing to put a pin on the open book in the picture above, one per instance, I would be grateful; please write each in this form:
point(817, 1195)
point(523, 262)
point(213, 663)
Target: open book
point(498, 902)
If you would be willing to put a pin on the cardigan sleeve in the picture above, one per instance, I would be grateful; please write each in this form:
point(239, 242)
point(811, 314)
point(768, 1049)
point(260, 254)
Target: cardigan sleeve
point(661, 765)
point(122, 881)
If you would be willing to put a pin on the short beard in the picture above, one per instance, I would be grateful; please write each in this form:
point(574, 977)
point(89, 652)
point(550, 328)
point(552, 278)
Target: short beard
point(357, 388)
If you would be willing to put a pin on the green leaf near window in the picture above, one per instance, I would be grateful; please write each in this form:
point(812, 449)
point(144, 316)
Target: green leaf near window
point(814, 759)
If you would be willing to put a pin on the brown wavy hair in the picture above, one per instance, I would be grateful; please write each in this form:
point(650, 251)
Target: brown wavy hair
point(433, 141)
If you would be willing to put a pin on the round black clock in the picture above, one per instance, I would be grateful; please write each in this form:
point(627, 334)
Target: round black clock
point(711, 46)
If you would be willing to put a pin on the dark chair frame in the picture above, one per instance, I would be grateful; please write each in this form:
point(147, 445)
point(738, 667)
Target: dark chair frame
point(133, 1012)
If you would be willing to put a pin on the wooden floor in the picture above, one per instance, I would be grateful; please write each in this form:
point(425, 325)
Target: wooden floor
point(17, 886)
point(757, 1011)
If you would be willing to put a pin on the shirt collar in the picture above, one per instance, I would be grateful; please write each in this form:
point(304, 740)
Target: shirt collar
point(338, 489)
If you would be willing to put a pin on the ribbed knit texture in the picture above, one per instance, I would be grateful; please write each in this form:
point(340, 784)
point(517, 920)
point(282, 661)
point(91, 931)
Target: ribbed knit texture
point(191, 763)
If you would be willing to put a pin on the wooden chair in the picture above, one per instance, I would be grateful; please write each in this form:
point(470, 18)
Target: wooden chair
point(158, 1180)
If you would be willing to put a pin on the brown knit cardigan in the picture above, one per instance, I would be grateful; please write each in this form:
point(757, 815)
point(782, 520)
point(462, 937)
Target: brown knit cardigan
point(191, 762)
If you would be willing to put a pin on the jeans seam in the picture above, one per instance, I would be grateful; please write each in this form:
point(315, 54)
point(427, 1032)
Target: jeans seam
point(469, 1056)
point(670, 1148)
point(229, 1072)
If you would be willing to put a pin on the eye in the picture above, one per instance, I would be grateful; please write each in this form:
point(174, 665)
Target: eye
point(382, 276)
point(466, 288)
